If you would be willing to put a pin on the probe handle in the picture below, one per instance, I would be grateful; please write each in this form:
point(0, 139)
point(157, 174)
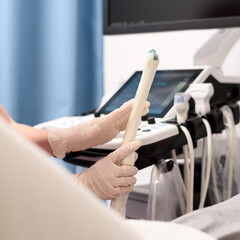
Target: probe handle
point(119, 204)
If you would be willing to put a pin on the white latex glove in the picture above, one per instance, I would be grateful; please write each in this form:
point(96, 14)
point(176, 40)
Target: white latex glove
point(106, 178)
point(96, 132)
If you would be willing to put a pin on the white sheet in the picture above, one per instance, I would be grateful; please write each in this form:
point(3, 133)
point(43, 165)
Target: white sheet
point(166, 230)
point(221, 221)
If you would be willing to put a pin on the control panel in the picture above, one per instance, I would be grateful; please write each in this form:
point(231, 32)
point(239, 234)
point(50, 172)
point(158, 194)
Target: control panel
point(150, 130)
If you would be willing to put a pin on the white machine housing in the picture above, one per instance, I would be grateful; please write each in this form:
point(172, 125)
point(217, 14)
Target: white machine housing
point(149, 132)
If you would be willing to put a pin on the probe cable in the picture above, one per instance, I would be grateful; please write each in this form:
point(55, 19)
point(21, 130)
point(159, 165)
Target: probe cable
point(154, 197)
point(206, 172)
point(174, 157)
point(203, 165)
point(179, 186)
point(186, 166)
point(201, 94)
point(182, 106)
point(191, 169)
point(231, 145)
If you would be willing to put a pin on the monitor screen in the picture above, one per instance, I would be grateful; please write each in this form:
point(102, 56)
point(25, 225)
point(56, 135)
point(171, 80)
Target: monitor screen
point(134, 16)
point(165, 84)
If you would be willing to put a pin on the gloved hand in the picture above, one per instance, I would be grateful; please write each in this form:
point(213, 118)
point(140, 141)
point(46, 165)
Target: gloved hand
point(96, 132)
point(106, 178)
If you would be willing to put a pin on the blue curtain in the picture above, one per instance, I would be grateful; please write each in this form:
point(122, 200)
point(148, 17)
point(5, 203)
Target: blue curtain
point(50, 58)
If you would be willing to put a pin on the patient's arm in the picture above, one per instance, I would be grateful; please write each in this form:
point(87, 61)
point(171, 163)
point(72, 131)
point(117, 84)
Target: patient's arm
point(5, 115)
point(106, 179)
point(40, 137)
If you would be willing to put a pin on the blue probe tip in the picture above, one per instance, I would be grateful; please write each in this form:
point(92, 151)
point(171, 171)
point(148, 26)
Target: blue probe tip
point(154, 53)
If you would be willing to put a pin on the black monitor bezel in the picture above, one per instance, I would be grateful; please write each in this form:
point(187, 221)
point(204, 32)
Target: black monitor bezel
point(163, 113)
point(224, 22)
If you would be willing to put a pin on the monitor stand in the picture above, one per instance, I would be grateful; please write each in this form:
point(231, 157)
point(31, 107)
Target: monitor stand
point(216, 49)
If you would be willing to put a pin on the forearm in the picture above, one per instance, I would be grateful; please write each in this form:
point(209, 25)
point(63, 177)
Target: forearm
point(40, 137)
point(5, 115)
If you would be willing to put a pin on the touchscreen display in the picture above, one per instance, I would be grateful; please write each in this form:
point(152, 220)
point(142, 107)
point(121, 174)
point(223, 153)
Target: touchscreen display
point(165, 84)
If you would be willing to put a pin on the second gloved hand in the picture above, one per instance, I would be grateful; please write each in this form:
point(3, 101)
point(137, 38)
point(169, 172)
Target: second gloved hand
point(96, 132)
point(106, 178)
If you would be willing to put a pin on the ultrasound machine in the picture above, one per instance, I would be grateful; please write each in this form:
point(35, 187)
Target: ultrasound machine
point(158, 130)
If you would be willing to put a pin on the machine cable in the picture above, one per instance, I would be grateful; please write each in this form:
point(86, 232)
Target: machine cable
point(181, 106)
point(201, 94)
point(230, 124)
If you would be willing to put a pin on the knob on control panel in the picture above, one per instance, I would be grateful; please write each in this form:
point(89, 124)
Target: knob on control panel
point(144, 118)
point(151, 120)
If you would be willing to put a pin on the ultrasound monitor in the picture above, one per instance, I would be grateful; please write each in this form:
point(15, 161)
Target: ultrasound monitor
point(137, 16)
point(165, 84)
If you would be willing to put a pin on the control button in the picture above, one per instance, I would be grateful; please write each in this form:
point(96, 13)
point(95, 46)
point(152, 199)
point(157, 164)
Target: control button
point(151, 120)
point(146, 130)
point(154, 127)
point(143, 124)
point(96, 114)
point(145, 118)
